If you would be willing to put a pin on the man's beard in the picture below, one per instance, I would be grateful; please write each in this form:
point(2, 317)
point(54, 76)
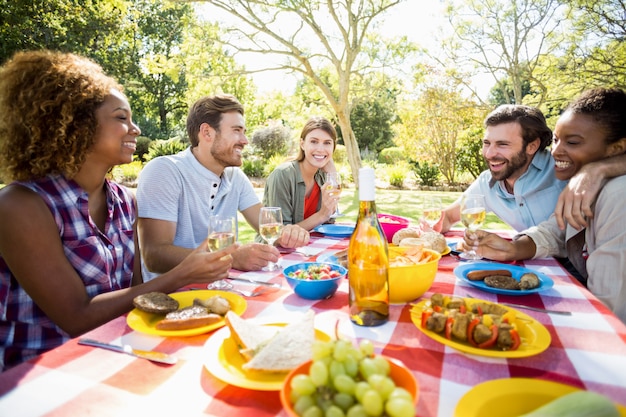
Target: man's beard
point(516, 163)
point(223, 155)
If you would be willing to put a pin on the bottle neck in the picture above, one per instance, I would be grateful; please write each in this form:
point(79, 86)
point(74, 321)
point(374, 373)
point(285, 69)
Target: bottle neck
point(367, 208)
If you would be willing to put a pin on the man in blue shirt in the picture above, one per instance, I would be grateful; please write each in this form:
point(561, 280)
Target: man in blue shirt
point(520, 186)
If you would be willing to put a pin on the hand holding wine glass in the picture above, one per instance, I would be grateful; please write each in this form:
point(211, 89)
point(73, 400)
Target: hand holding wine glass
point(473, 214)
point(333, 181)
point(270, 227)
point(222, 231)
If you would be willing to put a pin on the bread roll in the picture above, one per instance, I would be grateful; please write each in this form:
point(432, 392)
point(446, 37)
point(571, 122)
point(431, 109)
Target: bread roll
point(429, 240)
point(405, 233)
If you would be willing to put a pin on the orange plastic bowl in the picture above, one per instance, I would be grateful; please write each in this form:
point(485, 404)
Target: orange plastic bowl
point(400, 374)
point(407, 283)
point(391, 224)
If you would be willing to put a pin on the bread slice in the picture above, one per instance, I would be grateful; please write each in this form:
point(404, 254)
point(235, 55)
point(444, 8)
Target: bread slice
point(248, 335)
point(290, 347)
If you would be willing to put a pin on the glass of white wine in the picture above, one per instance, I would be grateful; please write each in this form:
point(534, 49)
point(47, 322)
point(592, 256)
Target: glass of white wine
point(431, 210)
point(222, 232)
point(333, 181)
point(270, 227)
point(473, 214)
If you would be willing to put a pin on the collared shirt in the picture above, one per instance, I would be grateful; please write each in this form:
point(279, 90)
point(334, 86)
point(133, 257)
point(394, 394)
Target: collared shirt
point(179, 189)
point(534, 195)
point(602, 257)
point(102, 259)
point(285, 188)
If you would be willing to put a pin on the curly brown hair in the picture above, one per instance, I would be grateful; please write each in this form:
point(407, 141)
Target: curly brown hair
point(48, 103)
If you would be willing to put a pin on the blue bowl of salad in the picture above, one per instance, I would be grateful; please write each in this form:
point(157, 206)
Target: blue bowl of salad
point(314, 280)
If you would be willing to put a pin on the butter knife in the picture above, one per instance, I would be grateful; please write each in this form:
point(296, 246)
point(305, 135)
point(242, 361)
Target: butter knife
point(542, 310)
point(253, 282)
point(151, 355)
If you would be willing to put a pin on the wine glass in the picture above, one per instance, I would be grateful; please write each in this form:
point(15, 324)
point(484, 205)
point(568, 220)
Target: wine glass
point(473, 214)
point(333, 181)
point(431, 210)
point(221, 232)
point(270, 227)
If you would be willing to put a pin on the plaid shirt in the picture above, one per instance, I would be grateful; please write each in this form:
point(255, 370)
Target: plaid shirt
point(102, 259)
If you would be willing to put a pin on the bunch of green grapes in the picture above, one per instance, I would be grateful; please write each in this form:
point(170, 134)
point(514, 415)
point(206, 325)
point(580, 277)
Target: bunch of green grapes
point(346, 381)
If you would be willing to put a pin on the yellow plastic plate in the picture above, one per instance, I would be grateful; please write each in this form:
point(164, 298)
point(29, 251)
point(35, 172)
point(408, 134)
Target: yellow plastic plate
point(145, 322)
point(224, 361)
point(511, 397)
point(534, 335)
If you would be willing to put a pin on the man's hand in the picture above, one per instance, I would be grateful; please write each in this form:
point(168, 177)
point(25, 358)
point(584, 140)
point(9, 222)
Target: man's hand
point(293, 236)
point(574, 203)
point(254, 256)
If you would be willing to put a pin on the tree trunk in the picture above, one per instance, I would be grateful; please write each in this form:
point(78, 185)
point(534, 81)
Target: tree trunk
point(352, 146)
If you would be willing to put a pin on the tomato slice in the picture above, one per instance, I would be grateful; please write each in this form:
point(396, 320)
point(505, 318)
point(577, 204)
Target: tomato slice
point(470, 331)
point(449, 323)
point(517, 341)
point(492, 340)
point(425, 316)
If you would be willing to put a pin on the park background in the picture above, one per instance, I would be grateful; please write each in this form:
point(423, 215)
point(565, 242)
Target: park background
point(407, 82)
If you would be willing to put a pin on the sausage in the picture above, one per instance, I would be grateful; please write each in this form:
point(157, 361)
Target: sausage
point(188, 318)
point(188, 323)
point(479, 275)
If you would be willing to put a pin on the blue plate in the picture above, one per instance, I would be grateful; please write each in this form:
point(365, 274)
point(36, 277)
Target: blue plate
point(516, 271)
point(335, 230)
point(328, 258)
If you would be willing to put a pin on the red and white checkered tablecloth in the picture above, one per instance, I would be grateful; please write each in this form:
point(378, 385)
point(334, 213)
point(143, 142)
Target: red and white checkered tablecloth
point(588, 351)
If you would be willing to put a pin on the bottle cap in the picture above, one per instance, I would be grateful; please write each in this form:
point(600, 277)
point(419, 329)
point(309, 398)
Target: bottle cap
point(367, 184)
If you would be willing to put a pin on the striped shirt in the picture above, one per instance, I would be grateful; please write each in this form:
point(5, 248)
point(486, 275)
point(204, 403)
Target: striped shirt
point(102, 259)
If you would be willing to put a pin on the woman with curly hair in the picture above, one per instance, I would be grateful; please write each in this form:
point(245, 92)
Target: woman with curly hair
point(69, 258)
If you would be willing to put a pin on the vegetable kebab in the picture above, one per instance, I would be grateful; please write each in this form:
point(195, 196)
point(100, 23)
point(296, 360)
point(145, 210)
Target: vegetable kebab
point(483, 325)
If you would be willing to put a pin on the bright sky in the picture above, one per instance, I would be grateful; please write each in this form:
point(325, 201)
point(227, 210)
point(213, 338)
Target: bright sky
point(419, 20)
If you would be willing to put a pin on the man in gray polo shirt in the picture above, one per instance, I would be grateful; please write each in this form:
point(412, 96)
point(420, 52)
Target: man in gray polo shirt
point(177, 193)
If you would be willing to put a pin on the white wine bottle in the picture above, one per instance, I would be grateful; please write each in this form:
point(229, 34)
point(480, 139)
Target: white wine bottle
point(368, 260)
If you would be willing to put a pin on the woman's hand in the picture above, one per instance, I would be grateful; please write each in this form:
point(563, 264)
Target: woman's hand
point(489, 245)
point(330, 200)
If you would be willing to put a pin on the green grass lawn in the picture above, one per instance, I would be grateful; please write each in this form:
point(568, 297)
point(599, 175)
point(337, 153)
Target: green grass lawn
point(405, 203)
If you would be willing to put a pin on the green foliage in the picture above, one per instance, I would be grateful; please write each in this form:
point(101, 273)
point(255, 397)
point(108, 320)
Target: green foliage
point(253, 166)
point(89, 28)
point(371, 122)
point(340, 156)
point(157, 75)
point(502, 92)
point(127, 173)
point(162, 147)
point(397, 175)
point(369, 157)
point(426, 173)
point(272, 140)
point(469, 156)
point(143, 145)
point(272, 163)
point(391, 155)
